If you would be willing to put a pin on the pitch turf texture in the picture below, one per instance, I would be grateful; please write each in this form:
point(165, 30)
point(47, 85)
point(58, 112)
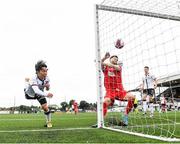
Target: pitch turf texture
point(28, 128)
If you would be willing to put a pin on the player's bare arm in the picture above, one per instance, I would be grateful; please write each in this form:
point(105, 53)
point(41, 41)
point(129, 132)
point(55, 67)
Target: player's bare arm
point(47, 86)
point(155, 83)
point(40, 92)
point(27, 79)
point(106, 56)
point(117, 67)
point(142, 86)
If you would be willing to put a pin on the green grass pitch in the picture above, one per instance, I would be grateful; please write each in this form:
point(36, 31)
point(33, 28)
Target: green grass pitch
point(28, 128)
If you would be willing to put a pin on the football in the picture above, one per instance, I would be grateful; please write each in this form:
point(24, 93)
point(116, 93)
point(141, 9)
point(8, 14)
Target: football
point(119, 44)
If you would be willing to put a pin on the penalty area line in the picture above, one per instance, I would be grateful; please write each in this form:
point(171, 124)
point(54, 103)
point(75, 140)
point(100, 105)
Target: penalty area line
point(45, 130)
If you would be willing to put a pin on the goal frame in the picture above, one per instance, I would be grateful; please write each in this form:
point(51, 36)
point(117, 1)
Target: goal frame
point(100, 119)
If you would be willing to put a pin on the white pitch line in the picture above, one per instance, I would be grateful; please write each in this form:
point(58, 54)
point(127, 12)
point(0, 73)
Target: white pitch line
point(145, 135)
point(41, 119)
point(44, 130)
point(148, 126)
point(20, 119)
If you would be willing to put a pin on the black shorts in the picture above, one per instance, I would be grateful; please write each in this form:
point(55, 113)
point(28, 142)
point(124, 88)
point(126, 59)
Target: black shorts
point(163, 105)
point(135, 105)
point(42, 100)
point(149, 92)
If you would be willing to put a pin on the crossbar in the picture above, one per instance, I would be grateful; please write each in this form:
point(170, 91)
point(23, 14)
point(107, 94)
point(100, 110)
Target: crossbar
point(138, 12)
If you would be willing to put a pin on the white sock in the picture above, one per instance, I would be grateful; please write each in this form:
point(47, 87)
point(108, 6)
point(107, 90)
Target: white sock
point(151, 106)
point(48, 116)
point(159, 110)
point(144, 106)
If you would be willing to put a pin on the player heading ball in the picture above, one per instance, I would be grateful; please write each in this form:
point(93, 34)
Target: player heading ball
point(34, 88)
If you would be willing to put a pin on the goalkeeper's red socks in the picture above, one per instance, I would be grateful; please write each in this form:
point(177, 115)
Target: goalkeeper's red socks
point(105, 106)
point(129, 105)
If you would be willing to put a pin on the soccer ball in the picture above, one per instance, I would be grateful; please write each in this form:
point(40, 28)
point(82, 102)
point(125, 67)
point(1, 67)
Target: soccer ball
point(119, 44)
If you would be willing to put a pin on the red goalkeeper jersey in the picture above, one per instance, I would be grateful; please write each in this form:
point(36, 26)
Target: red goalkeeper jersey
point(112, 78)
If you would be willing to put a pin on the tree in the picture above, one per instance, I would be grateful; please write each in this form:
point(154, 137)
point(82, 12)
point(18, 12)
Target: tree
point(71, 102)
point(24, 109)
point(35, 109)
point(84, 105)
point(95, 105)
point(64, 105)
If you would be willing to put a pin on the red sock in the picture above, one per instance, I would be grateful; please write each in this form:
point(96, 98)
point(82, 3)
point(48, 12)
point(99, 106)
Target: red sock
point(104, 108)
point(129, 106)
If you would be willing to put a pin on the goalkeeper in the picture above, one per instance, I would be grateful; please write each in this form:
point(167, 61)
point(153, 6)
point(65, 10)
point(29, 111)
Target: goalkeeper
point(114, 87)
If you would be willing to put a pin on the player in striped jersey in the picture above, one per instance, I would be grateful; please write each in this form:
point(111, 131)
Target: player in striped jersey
point(149, 85)
point(34, 89)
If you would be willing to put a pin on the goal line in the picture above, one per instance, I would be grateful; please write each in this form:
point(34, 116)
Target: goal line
point(145, 135)
point(45, 130)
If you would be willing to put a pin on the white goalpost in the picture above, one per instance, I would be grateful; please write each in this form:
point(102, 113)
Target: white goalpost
point(150, 30)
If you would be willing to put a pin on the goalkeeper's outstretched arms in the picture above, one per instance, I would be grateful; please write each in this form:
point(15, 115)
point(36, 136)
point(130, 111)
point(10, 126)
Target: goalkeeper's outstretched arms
point(112, 63)
point(117, 67)
point(106, 56)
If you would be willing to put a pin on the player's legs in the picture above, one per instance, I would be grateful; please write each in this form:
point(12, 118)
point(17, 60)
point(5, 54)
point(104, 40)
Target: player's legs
point(151, 106)
point(144, 101)
point(163, 107)
point(123, 95)
point(151, 101)
point(130, 98)
point(75, 111)
point(47, 112)
point(106, 103)
point(108, 100)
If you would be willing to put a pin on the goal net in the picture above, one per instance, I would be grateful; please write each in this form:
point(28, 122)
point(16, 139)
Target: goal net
point(150, 30)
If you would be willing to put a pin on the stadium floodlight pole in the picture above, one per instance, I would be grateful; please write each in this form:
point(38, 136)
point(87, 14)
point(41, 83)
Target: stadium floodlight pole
point(138, 12)
point(14, 104)
point(100, 119)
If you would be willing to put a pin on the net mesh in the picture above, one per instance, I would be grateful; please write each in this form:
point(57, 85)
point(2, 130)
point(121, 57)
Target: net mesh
point(150, 41)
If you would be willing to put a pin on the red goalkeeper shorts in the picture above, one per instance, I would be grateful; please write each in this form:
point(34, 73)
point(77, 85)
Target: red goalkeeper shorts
point(114, 94)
